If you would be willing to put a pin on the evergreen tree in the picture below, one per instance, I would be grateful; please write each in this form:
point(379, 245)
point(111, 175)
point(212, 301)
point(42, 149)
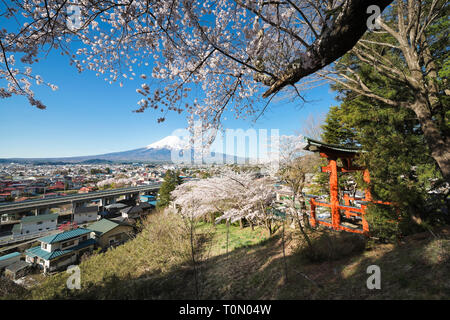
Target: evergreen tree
point(400, 158)
point(336, 130)
point(402, 169)
point(171, 181)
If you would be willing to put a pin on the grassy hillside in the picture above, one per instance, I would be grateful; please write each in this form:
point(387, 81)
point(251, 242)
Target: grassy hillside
point(157, 264)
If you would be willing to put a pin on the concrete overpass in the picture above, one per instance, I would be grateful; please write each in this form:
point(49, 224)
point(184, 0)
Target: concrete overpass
point(106, 197)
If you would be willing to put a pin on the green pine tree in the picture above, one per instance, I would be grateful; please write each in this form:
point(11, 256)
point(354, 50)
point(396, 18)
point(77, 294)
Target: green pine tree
point(401, 167)
point(171, 181)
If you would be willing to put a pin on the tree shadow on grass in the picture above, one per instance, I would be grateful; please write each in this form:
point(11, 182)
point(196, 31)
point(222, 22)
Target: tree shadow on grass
point(415, 269)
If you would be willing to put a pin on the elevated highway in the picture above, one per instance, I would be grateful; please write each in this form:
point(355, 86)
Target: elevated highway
point(36, 204)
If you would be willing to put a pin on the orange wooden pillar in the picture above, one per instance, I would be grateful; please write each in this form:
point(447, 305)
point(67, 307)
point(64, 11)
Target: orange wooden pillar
point(366, 177)
point(368, 197)
point(365, 224)
point(334, 198)
point(312, 218)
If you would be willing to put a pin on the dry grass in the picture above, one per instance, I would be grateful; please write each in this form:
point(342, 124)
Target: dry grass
point(157, 265)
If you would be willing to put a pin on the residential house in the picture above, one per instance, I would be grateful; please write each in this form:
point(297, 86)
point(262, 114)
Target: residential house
point(17, 270)
point(58, 185)
point(137, 212)
point(30, 190)
point(4, 196)
point(112, 210)
point(35, 224)
point(108, 233)
point(8, 259)
point(83, 215)
point(85, 190)
point(60, 250)
point(14, 192)
point(131, 212)
point(147, 206)
point(8, 217)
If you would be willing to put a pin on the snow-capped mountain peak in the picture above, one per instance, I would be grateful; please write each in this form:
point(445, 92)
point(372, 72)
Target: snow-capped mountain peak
point(169, 142)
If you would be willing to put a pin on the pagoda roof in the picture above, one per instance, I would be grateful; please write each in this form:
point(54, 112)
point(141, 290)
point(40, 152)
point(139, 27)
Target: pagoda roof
point(319, 146)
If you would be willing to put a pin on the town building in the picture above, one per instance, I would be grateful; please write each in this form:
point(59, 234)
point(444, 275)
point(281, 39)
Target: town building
point(17, 270)
point(86, 214)
point(60, 250)
point(36, 224)
point(132, 212)
point(137, 212)
point(9, 259)
point(109, 233)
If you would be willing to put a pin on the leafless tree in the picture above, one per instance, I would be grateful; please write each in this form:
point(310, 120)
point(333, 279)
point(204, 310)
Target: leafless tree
point(406, 35)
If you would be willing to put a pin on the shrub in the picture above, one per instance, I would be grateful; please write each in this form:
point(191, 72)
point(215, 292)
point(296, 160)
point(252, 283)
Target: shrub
point(334, 246)
point(388, 223)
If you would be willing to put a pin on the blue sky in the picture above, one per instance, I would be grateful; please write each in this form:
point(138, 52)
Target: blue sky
point(88, 116)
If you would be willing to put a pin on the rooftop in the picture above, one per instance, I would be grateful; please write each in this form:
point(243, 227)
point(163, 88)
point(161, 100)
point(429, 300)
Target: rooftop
point(9, 256)
point(103, 226)
point(17, 266)
point(39, 218)
point(145, 205)
point(132, 210)
point(37, 251)
point(317, 146)
point(64, 235)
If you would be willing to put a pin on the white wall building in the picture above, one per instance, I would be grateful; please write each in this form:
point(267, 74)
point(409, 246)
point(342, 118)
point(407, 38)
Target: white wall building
point(35, 224)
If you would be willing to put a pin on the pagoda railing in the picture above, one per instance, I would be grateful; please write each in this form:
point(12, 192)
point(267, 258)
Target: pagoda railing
point(346, 209)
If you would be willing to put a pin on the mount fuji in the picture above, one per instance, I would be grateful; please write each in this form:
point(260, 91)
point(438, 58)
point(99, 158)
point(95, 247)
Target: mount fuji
point(159, 151)
point(169, 142)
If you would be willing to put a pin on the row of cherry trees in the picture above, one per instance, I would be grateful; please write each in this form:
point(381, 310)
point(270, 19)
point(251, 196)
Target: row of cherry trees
point(118, 182)
point(231, 195)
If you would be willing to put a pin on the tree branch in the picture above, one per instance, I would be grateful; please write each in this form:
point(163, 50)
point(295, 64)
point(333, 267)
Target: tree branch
point(348, 27)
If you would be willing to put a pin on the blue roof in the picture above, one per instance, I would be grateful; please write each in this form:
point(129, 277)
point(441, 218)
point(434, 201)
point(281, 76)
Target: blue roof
point(37, 251)
point(9, 256)
point(64, 235)
point(148, 196)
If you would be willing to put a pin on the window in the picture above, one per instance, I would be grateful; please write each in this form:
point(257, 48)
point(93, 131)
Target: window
point(67, 244)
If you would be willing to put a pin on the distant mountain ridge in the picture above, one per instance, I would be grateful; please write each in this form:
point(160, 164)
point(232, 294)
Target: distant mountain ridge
point(159, 151)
